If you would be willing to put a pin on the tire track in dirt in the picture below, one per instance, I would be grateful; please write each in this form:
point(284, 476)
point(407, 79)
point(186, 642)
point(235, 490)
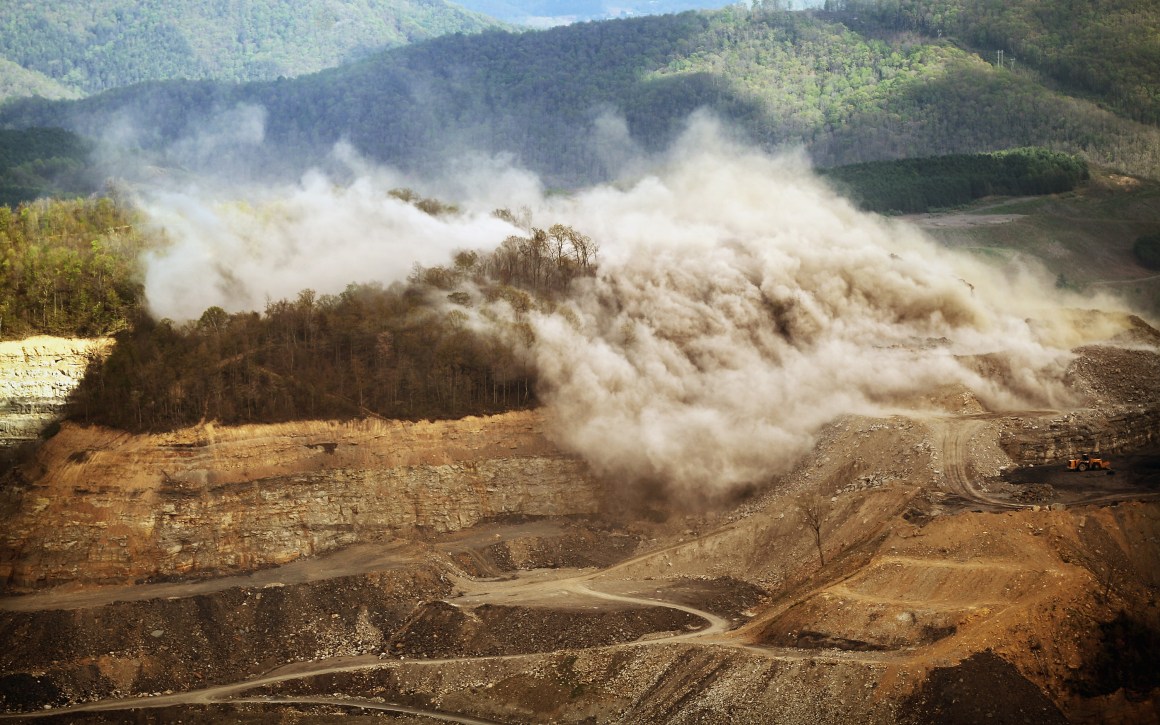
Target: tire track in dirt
point(365, 704)
point(717, 625)
point(954, 436)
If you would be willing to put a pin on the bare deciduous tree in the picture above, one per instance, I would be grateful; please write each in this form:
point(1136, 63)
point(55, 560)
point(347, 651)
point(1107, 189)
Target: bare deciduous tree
point(813, 510)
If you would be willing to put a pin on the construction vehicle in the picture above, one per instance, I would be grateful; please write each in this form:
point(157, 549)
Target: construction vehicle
point(1087, 461)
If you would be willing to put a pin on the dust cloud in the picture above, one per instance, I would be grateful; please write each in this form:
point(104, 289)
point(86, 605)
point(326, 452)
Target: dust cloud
point(742, 305)
point(739, 306)
point(239, 247)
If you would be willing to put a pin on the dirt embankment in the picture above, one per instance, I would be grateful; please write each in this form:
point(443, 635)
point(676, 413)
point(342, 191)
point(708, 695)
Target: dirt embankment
point(101, 506)
point(61, 656)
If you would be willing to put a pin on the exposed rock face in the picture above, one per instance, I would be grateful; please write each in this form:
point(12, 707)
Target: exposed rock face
point(1122, 384)
point(104, 506)
point(1040, 440)
point(36, 377)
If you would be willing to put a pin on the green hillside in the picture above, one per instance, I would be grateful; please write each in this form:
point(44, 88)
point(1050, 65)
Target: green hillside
point(93, 45)
point(911, 186)
point(17, 81)
point(68, 268)
point(1107, 48)
point(783, 78)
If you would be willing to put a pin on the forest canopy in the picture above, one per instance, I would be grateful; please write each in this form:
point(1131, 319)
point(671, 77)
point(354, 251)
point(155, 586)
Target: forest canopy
point(405, 351)
point(40, 162)
point(68, 267)
point(553, 101)
point(910, 186)
point(1108, 49)
point(95, 45)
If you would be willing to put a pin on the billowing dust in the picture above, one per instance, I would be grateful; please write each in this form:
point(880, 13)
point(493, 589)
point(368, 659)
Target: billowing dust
point(739, 304)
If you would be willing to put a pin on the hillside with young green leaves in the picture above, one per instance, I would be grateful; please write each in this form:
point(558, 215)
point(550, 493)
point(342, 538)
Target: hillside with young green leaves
point(93, 45)
point(68, 268)
point(18, 82)
point(782, 78)
point(1109, 49)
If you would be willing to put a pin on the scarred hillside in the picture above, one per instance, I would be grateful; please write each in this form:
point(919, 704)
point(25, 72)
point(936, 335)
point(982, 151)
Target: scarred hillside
point(106, 507)
point(470, 568)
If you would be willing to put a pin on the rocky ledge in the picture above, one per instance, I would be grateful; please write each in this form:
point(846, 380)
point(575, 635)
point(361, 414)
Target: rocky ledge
point(36, 376)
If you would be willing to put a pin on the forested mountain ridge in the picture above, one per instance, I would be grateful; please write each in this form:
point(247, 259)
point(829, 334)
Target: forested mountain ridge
point(44, 162)
point(94, 45)
point(782, 78)
point(1108, 48)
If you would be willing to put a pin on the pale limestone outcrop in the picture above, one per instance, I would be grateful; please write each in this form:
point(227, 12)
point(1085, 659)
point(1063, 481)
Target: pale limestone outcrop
point(36, 376)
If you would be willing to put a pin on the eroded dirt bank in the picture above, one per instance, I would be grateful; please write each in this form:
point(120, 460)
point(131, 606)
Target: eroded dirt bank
point(951, 590)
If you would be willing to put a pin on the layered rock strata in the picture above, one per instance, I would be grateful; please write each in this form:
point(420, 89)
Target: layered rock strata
point(36, 377)
point(1043, 440)
point(105, 506)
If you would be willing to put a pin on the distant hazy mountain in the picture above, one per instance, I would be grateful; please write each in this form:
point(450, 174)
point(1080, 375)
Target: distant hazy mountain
point(93, 45)
point(548, 13)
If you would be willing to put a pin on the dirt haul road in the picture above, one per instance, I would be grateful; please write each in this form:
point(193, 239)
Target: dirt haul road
point(573, 590)
point(562, 589)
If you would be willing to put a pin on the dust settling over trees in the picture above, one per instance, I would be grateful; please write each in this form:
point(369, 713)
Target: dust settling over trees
point(408, 351)
point(696, 326)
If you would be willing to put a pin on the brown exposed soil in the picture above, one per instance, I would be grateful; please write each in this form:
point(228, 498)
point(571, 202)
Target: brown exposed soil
point(470, 572)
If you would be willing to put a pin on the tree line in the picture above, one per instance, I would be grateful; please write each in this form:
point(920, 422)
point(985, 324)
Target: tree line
point(407, 351)
point(909, 186)
point(68, 267)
